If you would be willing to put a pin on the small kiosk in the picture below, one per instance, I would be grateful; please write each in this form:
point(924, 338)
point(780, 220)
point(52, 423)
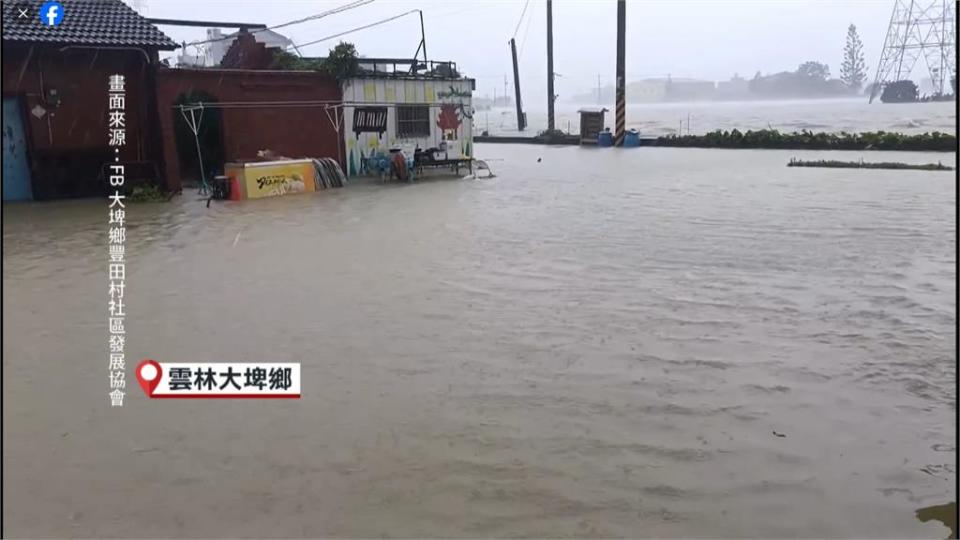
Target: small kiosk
point(591, 124)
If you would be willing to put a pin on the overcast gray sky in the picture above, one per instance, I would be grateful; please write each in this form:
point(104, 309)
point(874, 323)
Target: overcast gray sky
point(710, 39)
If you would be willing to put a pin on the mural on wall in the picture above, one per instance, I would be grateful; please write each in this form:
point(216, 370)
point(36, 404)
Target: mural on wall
point(351, 164)
point(448, 121)
point(452, 112)
point(454, 92)
point(369, 135)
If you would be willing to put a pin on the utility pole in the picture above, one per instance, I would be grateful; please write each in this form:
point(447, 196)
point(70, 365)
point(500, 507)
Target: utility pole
point(521, 120)
point(621, 117)
point(550, 94)
point(504, 88)
point(599, 98)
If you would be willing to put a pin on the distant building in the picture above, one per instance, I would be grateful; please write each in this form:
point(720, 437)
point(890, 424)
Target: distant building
point(669, 89)
point(647, 90)
point(689, 89)
point(190, 60)
point(736, 88)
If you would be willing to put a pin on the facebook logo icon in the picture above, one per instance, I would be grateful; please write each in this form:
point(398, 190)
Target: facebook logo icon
point(51, 13)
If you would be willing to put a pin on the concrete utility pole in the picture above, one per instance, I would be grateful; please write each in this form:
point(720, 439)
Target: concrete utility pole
point(550, 93)
point(521, 121)
point(621, 120)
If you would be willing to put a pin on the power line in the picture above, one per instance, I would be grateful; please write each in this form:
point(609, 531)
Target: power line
point(334, 11)
point(526, 31)
point(364, 27)
point(524, 12)
point(345, 7)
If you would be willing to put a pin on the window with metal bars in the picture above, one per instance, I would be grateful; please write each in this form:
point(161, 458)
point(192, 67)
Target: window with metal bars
point(413, 121)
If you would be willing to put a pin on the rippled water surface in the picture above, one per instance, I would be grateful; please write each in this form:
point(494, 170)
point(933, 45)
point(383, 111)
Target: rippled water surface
point(654, 119)
point(657, 342)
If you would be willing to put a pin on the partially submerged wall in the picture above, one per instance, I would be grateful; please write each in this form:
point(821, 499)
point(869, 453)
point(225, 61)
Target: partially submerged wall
point(62, 98)
point(385, 113)
point(258, 113)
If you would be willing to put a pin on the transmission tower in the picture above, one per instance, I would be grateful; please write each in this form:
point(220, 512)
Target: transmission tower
point(918, 28)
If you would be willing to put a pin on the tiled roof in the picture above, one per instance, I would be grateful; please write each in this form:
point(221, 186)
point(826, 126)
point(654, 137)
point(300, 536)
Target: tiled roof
point(108, 23)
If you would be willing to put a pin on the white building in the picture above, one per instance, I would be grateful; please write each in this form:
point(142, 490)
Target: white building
point(190, 60)
point(407, 112)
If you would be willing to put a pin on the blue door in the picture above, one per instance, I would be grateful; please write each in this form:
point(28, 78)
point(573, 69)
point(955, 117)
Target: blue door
point(16, 172)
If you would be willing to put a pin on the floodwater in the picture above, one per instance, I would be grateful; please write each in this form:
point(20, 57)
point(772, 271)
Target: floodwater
point(605, 343)
point(656, 119)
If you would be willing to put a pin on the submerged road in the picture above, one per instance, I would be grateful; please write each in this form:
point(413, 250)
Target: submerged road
point(653, 342)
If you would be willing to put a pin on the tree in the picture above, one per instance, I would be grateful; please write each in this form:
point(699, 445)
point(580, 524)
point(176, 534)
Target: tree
point(284, 60)
point(342, 62)
point(814, 70)
point(853, 68)
point(899, 92)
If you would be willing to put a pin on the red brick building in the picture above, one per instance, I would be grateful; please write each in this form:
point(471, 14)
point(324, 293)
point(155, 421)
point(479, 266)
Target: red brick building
point(289, 112)
point(55, 81)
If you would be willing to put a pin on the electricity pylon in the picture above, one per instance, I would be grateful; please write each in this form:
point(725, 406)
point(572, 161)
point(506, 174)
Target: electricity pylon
point(918, 28)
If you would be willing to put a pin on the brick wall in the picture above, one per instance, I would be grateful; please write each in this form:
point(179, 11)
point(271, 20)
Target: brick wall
point(247, 53)
point(68, 144)
point(303, 131)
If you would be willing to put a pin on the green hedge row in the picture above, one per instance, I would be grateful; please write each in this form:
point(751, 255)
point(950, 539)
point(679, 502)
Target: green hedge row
point(867, 165)
point(771, 138)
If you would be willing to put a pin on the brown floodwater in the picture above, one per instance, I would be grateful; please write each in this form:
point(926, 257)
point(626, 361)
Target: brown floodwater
point(656, 342)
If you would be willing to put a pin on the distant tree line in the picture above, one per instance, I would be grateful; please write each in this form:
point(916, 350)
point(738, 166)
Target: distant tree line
point(811, 79)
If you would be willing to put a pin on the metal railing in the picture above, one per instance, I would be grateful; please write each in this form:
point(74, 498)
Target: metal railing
point(400, 67)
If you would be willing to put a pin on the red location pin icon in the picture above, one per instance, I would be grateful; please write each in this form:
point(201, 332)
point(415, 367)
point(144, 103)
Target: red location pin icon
point(148, 373)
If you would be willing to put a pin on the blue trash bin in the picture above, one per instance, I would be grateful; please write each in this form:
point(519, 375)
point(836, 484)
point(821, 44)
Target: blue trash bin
point(631, 139)
point(605, 139)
